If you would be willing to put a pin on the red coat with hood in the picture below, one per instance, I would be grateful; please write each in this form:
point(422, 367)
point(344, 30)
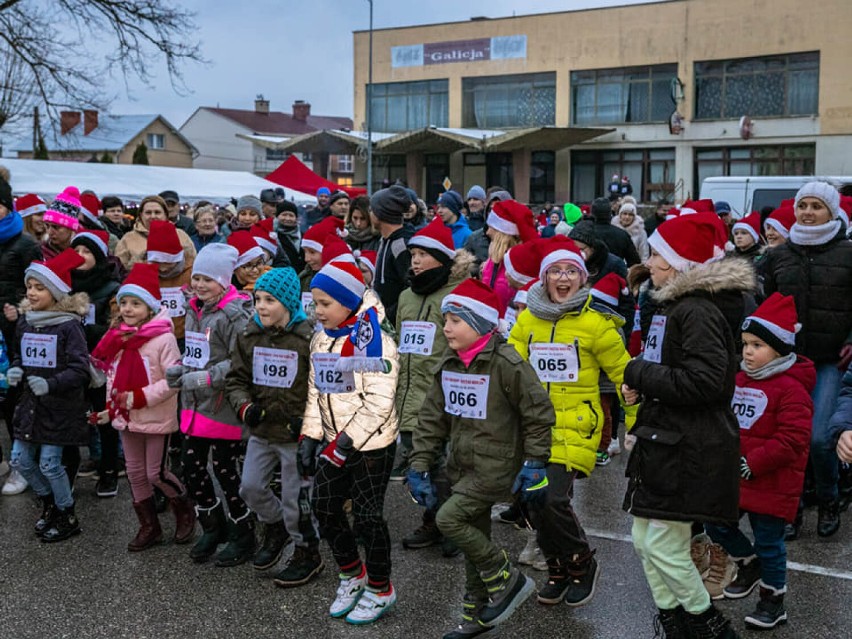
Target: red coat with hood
point(775, 435)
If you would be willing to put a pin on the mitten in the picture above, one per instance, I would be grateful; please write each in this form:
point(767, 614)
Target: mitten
point(38, 385)
point(338, 450)
point(421, 489)
point(14, 375)
point(252, 414)
point(306, 456)
point(174, 374)
point(195, 380)
point(531, 482)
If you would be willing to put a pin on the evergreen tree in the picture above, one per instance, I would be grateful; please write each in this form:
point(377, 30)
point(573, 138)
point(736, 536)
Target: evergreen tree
point(140, 155)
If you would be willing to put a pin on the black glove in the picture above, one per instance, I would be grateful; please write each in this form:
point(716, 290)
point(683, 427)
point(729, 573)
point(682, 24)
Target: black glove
point(306, 456)
point(252, 414)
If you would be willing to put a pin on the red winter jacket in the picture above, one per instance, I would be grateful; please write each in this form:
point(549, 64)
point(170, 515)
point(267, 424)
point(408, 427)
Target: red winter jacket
point(775, 434)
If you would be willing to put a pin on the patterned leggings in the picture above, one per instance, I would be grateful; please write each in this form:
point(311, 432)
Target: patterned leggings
point(226, 454)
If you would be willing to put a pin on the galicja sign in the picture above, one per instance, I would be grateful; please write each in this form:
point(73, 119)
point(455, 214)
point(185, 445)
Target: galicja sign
point(478, 50)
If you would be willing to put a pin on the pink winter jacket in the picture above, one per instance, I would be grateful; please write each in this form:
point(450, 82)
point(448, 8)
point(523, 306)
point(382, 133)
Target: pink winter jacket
point(159, 416)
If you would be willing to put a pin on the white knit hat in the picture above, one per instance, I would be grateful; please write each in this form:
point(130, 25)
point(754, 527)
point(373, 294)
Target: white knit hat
point(216, 261)
point(823, 191)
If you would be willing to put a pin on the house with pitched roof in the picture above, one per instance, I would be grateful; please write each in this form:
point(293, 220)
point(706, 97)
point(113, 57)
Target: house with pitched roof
point(88, 136)
point(246, 140)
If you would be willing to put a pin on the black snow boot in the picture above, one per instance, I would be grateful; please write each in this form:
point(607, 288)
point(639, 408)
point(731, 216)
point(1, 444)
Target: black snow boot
point(241, 543)
point(710, 624)
point(65, 525)
point(48, 515)
point(215, 532)
point(275, 537)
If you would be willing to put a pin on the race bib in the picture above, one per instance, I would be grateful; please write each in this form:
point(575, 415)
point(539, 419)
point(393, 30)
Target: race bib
point(274, 367)
point(89, 319)
point(417, 338)
point(748, 405)
point(172, 300)
point(307, 301)
point(511, 318)
point(654, 344)
point(555, 362)
point(38, 351)
point(196, 354)
point(327, 378)
point(465, 395)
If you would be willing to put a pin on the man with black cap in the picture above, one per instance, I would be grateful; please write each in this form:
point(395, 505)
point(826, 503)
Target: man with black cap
point(183, 222)
point(268, 202)
point(617, 240)
point(393, 259)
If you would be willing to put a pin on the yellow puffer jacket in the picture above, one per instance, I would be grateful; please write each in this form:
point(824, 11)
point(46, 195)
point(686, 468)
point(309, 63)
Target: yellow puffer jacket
point(595, 338)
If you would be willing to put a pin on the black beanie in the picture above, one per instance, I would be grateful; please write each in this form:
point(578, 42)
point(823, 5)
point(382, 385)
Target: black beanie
point(602, 210)
point(338, 195)
point(584, 232)
point(389, 204)
point(286, 205)
point(6, 195)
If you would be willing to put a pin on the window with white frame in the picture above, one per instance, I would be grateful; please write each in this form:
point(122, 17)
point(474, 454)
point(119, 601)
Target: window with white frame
point(156, 141)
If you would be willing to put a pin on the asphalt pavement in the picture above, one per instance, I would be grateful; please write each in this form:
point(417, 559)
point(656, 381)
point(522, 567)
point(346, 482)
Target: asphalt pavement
point(91, 587)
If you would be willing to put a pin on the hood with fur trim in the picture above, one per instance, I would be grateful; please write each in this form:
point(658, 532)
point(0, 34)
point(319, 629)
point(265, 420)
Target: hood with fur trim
point(76, 303)
point(727, 275)
point(462, 264)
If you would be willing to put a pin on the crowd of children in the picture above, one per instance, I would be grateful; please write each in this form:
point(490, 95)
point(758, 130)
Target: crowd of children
point(287, 391)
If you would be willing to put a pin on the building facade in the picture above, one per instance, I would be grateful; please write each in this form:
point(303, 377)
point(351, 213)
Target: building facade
point(681, 90)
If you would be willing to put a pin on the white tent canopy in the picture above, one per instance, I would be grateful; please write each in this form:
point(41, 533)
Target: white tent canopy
point(132, 182)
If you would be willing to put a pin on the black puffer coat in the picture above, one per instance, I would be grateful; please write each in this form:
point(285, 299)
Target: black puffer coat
point(15, 256)
point(820, 280)
point(59, 417)
point(685, 465)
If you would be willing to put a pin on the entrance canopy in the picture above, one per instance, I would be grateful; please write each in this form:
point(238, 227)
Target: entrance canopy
point(294, 174)
point(133, 181)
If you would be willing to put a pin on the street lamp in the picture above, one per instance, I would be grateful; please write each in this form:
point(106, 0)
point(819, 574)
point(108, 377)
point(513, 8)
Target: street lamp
point(369, 109)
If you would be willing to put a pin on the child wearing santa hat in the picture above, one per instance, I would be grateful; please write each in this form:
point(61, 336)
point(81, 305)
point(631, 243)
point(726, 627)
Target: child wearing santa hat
point(748, 242)
point(777, 226)
point(175, 269)
point(52, 366)
point(252, 261)
point(135, 354)
point(350, 419)
point(482, 391)
point(773, 405)
point(312, 242)
point(509, 223)
point(685, 429)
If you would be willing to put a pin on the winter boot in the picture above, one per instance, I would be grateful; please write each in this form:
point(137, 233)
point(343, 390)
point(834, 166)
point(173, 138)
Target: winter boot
point(583, 572)
point(470, 626)
point(48, 515)
point(720, 573)
point(699, 550)
point(671, 624)
point(303, 565)
point(241, 543)
point(770, 609)
point(160, 500)
point(507, 588)
point(275, 537)
point(149, 532)
point(426, 535)
point(748, 576)
point(828, 519)
point(65, 525)
point(554, 590)
point(449, 548)
point(215, 533)
point(710, 624)
point(185, 517)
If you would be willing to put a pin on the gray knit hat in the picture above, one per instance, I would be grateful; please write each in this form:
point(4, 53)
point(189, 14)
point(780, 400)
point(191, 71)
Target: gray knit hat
point(389, 204)
point(216, 261)
point(250, 202)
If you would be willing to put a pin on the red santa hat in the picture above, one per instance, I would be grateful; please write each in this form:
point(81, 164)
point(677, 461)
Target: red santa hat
point(435, 238)
point(672, 213)
point(609, 289)
point(845, 208)
point(750, 224)
point(248, 249)
point(315, 237)
point(95, 241)
point(522, 261)
point(65, 209)
point(475, 303)
point(90, 206)
point(512, 218)
point(336, 249)
point(30, 204)
point(783, 218)
point(697, 206)
point(562, 251)
point(521, 295)
point(143, 282)
point(775, 322)
point(264, 236)
point(687, 241)
point(55, 273)
point(368, 259)
point(164, 245)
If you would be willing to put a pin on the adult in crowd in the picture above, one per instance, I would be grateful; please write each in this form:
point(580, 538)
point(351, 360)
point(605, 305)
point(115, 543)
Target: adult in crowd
point(659, 216)
point(320, 211)
point(476, 208)
point(338, 204)
point(17, 251)
point(393, 262)
point(553, 219)
point(450, 209)
point(815, 267)
point(269, 202)
point(133, 247)
point(617, 240)
point(629, 220)
point(113, 216)
point(723, 210)
point(248, 214)
point(206, 230)
point(415, 216)
point(31, 208)
point(181, 221)
point(478, 241)
point(289, 237)
point(360, 234)
point(62, 219)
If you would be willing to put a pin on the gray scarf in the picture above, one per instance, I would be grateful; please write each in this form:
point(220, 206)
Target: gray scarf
point(541, 307)
point(814, 235)
point(43, 319)
point(775, 367)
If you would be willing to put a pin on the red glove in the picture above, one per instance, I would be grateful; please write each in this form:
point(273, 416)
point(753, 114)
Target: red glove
point(338, 450)
point(845, 357)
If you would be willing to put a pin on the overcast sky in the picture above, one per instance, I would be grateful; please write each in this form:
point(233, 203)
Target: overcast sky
point(299, 50)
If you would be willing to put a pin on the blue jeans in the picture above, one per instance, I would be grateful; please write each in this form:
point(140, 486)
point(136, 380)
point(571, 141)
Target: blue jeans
point(47, 475)
point(768, 546)
point(823, 445)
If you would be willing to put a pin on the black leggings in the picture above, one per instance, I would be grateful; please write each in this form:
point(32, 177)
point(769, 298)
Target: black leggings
point(226, 454)
point(364, 478)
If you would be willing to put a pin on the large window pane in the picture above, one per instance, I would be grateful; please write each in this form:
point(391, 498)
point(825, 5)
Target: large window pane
point(614, 96)
point(403, 106)
point(509, 101)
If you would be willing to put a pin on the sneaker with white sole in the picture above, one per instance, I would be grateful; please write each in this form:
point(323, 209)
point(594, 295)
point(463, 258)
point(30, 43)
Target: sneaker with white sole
point(15, 484)
point(372, 606)
point(348, 593)
point(614, 447)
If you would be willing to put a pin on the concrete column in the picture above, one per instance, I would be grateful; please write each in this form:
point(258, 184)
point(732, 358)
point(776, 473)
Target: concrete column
point(521, 169)
point(414, 170)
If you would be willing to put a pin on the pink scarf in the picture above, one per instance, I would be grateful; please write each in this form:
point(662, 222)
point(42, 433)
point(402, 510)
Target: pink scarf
point(466, 355)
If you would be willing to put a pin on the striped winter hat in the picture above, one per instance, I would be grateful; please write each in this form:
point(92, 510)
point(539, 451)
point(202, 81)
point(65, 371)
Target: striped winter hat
point(65, 209)
point(342, 281)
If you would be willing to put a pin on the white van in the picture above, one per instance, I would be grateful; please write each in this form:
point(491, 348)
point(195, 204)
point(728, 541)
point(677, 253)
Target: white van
point(746, 194)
